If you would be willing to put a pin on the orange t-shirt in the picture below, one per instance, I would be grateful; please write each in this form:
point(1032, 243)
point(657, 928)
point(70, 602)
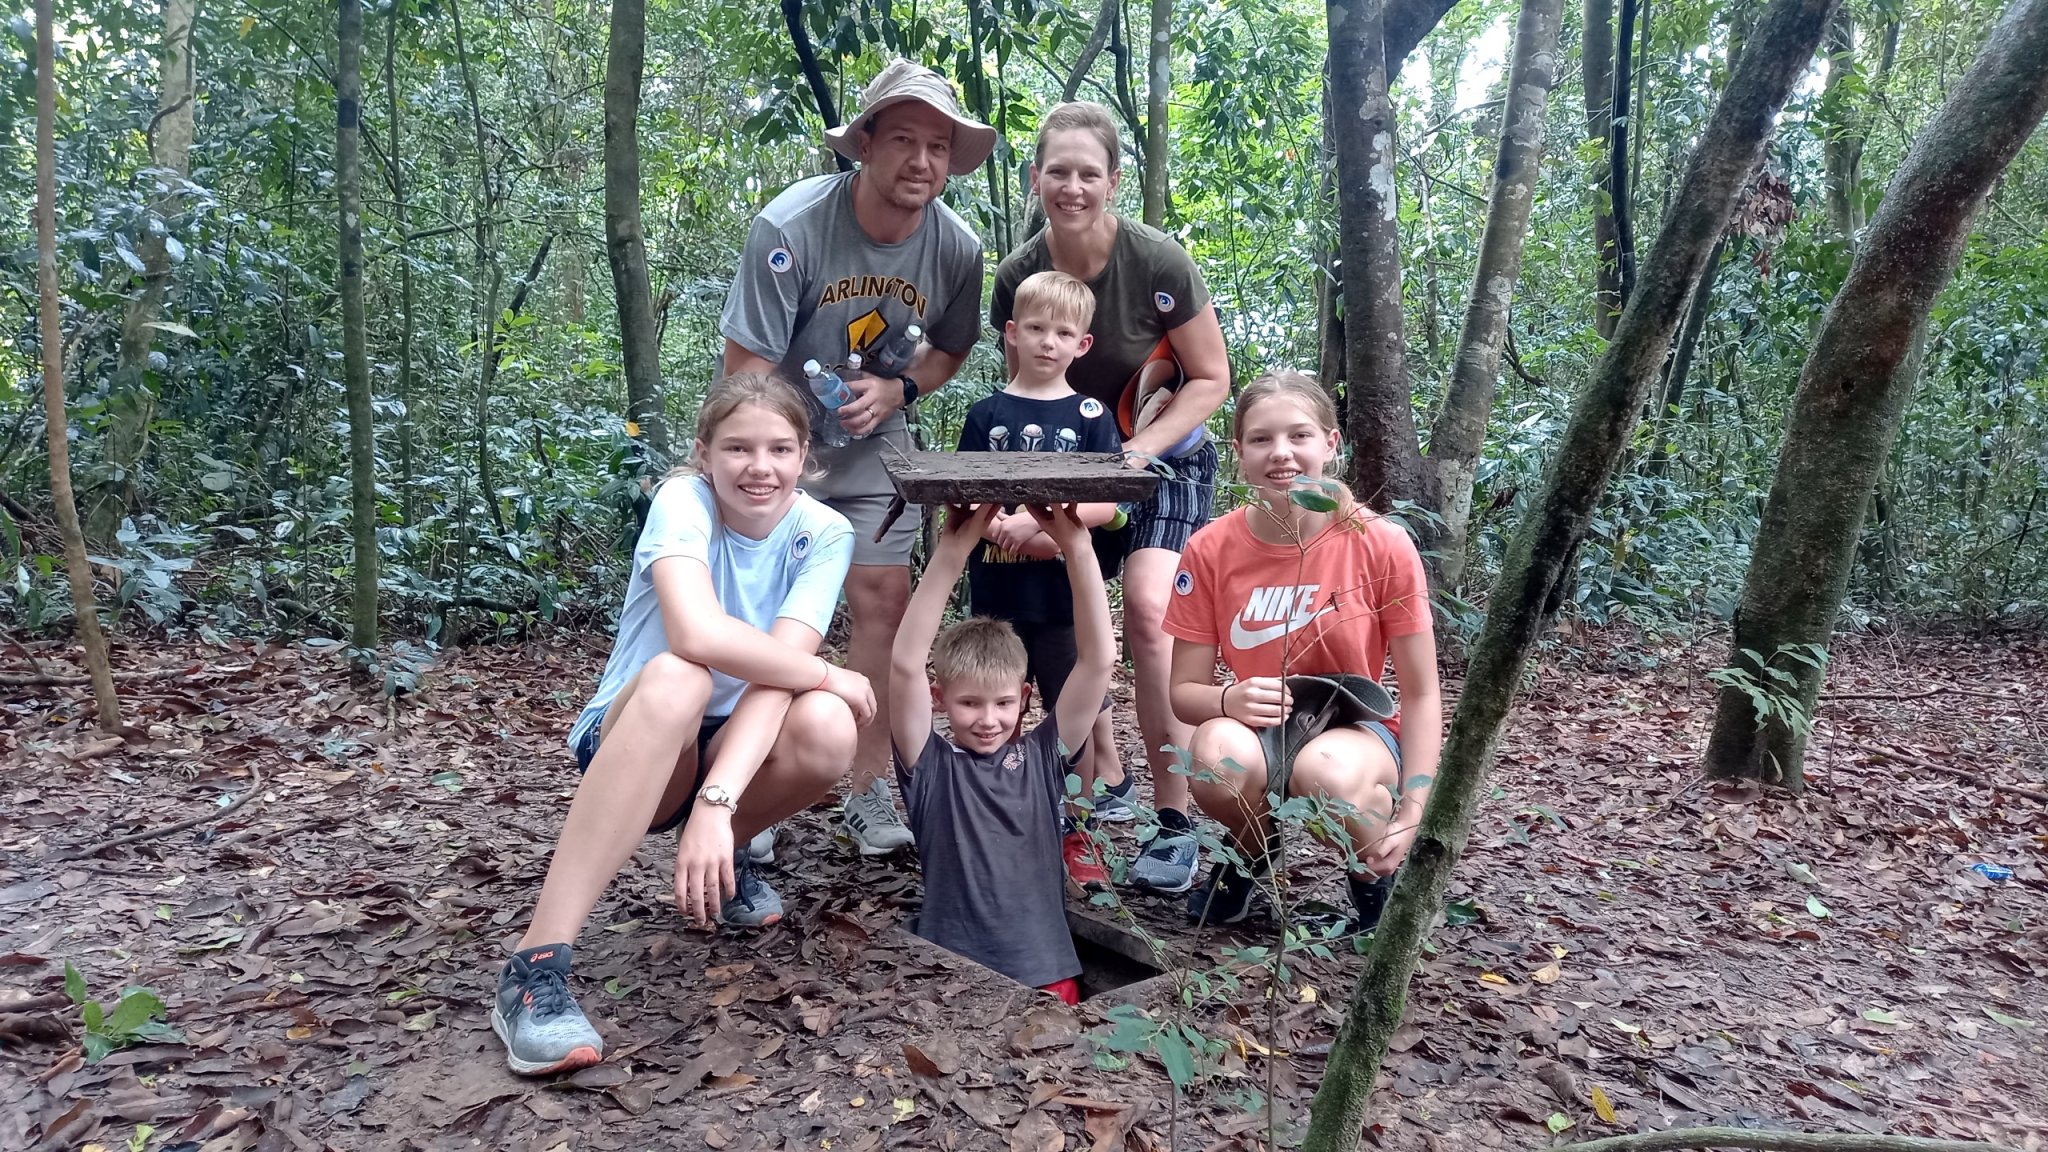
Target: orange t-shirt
point(1331, 608)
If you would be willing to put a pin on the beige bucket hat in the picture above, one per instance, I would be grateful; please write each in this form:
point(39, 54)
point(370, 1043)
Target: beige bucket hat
point(903, 81)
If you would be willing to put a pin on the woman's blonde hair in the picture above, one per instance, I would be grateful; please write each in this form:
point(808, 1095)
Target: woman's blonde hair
point(771, 394)
point(1288, 384)
point(1087, 116)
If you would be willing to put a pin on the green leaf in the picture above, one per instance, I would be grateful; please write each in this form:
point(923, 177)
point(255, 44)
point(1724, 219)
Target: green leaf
point(173, 327)
point(1880, 1016)
point(94, 1016)
point(97, 1047)
point(2013, 1022)
point(450, 779)
point(217, 481)
point(1818, 910)
point(1313, 501)
point(1179, 1061)
point(1461, 912)
point(74, 984)
point(1558, 1122)
point(138, 1007)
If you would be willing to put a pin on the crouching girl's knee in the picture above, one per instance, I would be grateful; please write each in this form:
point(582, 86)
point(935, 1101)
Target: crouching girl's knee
point(825, 735)
point(670, 680)
point(1229, 751)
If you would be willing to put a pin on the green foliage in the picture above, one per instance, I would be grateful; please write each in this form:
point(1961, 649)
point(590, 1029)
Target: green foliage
point(239, 522)
point(1772, 686)
point(138, 1018)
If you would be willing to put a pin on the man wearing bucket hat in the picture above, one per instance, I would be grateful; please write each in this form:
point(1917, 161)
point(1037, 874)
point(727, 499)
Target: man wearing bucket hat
point(846, 264)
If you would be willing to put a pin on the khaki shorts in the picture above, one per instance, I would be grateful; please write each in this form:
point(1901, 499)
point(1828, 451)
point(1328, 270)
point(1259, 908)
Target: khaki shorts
point(856, 485)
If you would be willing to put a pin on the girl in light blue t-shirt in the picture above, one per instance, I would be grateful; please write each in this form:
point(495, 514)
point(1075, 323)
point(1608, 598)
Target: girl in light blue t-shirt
point(715, 714)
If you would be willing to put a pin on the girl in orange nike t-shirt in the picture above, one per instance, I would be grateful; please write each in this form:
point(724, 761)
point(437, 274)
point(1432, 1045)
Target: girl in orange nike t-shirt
point(1278, 586)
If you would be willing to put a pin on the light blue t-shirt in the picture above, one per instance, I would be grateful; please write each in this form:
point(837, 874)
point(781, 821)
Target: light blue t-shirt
point(796, 571)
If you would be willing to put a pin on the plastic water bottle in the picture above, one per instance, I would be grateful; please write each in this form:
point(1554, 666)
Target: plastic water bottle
point(895, 356)
point(831, 392)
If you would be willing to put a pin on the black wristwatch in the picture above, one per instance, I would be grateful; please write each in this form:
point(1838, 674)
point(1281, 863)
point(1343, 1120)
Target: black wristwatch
point(909, 392)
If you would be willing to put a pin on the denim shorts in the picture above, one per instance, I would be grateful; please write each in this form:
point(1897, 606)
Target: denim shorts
point(586, 751)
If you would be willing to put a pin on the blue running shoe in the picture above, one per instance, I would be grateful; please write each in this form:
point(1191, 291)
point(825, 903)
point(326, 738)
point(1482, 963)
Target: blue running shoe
point(543, 1029)
point(755, 905)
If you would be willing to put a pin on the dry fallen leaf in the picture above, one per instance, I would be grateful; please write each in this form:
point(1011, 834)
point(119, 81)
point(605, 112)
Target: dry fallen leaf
point(810, 1103)
point(1036, 1132)
point(1547, 974)
point(1602, 1106)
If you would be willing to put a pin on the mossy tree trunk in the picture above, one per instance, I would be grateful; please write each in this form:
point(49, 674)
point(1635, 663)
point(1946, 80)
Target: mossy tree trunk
point(1386, 461)
point(625, 240)
point(355, 359)
point(1602, 418)
point(1460, 429)
point(1852, 393)
point(1596, 60)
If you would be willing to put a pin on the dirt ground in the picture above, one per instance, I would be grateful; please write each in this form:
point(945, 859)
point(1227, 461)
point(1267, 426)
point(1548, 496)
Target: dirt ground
point(1628, 948)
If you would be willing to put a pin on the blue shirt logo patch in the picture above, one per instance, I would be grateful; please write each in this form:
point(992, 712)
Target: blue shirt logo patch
point(1164, 301)
point(780, 261)
point(800, 547)
point(1091, 407)
point(1183, 582)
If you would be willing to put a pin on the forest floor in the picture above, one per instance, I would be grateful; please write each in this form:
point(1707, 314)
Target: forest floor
point(1630, 948)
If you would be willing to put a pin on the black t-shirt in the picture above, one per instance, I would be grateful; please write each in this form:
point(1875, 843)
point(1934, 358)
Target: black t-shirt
point(1002, 584)
point(988, 839)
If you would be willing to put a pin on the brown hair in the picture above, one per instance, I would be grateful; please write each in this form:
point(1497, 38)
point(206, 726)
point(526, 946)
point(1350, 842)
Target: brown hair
point(979, 650)
point(771, 394)
point(1055, 294)
point(1288, 384)
point(1088, 116)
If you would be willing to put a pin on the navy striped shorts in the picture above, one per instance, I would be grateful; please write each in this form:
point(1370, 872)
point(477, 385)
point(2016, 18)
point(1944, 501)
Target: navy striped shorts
point(1184, 501)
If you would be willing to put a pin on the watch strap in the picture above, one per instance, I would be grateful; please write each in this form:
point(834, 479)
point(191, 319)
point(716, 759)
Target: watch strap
point(909, 390)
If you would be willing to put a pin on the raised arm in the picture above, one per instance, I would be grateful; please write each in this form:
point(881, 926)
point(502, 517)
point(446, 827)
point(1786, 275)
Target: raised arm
point(910, 697)
point(1094, 640)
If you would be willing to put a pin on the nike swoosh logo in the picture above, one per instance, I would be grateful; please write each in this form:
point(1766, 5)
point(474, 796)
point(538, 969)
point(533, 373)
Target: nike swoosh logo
point(1242, 638)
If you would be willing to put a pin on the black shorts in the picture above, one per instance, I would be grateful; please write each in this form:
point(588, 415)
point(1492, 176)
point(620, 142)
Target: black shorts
point(586, 750)
point(1050, 653)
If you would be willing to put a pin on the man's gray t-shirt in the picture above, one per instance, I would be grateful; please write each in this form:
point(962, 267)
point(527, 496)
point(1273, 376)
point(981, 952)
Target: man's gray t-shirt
point(988, 836)
point(812, 285)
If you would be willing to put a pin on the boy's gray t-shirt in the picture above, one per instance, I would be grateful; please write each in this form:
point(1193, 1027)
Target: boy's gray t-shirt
point(988, 836)
point(812, 285)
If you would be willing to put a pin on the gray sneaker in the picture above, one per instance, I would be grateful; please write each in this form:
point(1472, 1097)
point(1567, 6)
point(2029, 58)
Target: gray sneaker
point(873, 824)
point(761, 849)
point(1114, 805)
point(1168, 862)
point(755, 905)
point(543, 1029)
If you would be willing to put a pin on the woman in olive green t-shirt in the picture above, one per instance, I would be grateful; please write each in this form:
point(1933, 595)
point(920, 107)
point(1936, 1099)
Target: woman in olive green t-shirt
point(1159, 363)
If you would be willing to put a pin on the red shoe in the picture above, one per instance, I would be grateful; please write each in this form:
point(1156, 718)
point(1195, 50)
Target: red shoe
point(1083, 866)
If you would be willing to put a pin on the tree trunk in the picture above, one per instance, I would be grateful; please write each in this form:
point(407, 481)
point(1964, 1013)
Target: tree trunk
point(1105, 19)
point(1578, 473)
point(130, 403)
point(1852, 393)
point(1386, 461)
point(76, 568)
point(1460, 430)
point(625, 244)
point(1619, 190)
point(355, 359)
point(1680, 366)
point(402, 217)
point(1158, 91)
point(1597, 66)
point(1841, 147)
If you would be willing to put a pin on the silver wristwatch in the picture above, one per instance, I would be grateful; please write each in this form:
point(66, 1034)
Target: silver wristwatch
point(719, 796)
